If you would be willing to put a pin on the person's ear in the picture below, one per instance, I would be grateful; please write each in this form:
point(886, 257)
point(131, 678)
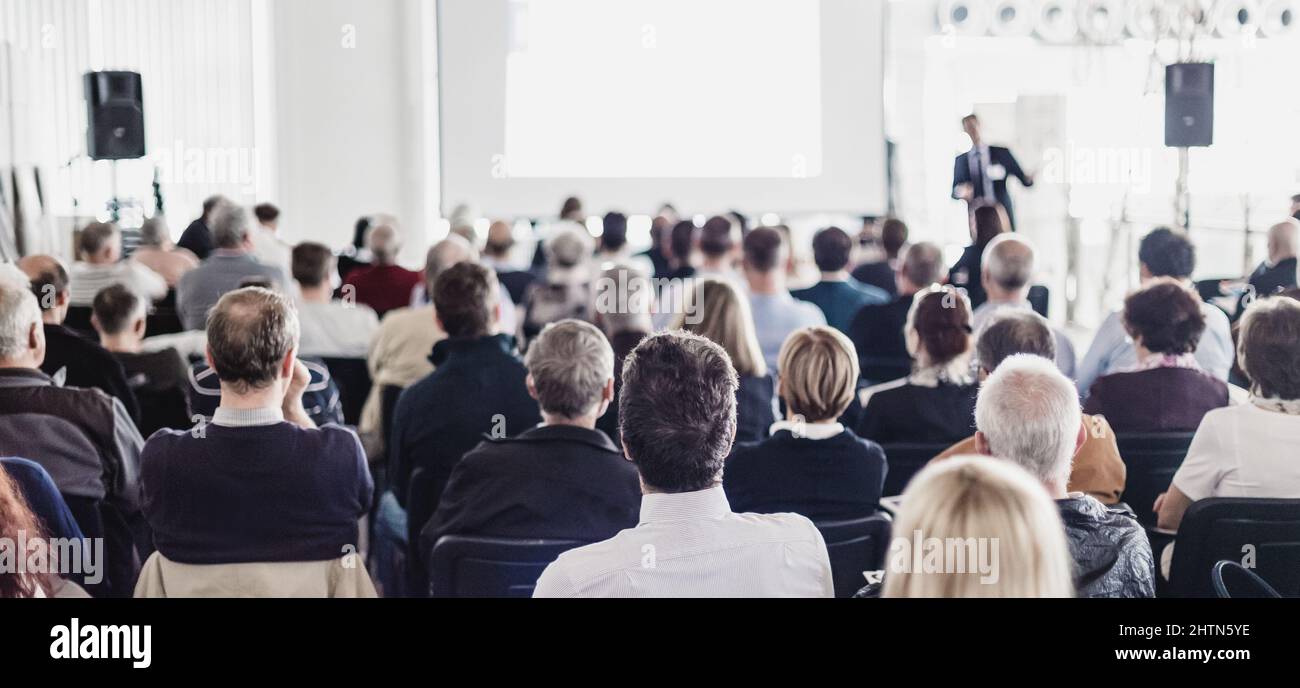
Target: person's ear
point(140, 326)
point(1081, 437)
point(607, 394)
point(532, 387)
point(62, 298)
point(287, 365)
point(982, 444)
point(94, 322)
point(35, 335)
point(623, 442)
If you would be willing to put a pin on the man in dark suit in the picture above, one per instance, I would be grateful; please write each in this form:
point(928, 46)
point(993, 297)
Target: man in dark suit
point(197, 237)
point(563, 479)
point(877, 331)
point(981, 173)
point(1278, 273)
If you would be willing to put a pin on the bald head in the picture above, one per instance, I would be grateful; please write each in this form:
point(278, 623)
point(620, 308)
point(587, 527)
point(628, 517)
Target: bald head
point(384, 243)
point(1008, 268)
point(49, 282)
point(500, 239)
point(1282, 241)
point(922, 266)
point(444, 254)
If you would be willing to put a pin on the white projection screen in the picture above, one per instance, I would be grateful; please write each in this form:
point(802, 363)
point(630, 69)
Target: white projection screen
point(753, 105)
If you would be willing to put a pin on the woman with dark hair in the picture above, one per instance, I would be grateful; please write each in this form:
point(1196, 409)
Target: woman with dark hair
point(936, 403)
point(987, 222)
point(682, 239)
point(19, 524)
point(1167, 391)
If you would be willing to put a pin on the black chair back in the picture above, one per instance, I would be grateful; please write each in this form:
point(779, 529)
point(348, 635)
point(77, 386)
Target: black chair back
point(1151, 460)
point(855, 546)
point(1232, 580)
point(461, 566)
point(1039, 298)
point(878, 369)
point(1262, 534)
point(352, 375)
point(904, 461)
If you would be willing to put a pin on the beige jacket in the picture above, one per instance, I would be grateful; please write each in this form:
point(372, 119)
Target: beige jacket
point(344, 577)
point(399, 356)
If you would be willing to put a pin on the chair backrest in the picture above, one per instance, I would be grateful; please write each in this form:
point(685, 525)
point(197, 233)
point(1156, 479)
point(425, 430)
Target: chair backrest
point(1262, 534)
point(878, 369)
point(345, 577)
point(352, 376)
point(855, 546)
point(1151, 461)
point(1039, 297)
point(1232, 580)
point(904, 461)
point(464, 566)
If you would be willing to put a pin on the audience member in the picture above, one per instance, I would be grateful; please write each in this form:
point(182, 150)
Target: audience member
point(231, 261)
point(881, 274)
point(1278, 272)
point(198, 236)
point(1008, 273)
point(157, 252)
point(157, 378)
point(320, 398)
point(565, 293)
point(1166, 391)
point(678, 412)
point(659, 254)
point(355, 255)
point(1162, 253)
point(330, 328)
point(811, 465)
point(1028, 413)
point(563, 479)
point(776, 312)
point(101, 265)
point(19, 524)
point(988, 506)
point(987, 222)
point(1098, 469)
point(936, 402)
point(71, 359)
point(839, 295)
point(717, 311)
point(1248, 450)
point(878, 331)
point(496, 255)
point(624, 300)
point(477, 387)
point(719, 243)
point(269, 247)
point(683, 243)
point(205, 498)
point(383, 285)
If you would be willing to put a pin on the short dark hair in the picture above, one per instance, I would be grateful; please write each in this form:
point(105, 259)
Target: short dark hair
point(211, 202)
point(266, 212)
point(717, 237)
point(1012, 333)
point(677, 410)
point(311, 263)
point(614, 236)
point(682, 239)
point(942, 322)
point(763, 248)
point(893, 236)
point(832, 248)
point(95, 236)
point(47, 284)
point(115, 308)
point(988, 223)
point(463, 297)
point(250, 331)
point(1167, 253)
point(572, 205)
point(1267, 348)
point(1167, 316)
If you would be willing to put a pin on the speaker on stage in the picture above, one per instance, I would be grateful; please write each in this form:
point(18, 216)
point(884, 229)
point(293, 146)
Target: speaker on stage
point(114, 116)
point(1189, 105)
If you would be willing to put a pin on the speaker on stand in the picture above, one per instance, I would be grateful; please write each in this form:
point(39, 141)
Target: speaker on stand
point(114, 121)
point(1189, 123)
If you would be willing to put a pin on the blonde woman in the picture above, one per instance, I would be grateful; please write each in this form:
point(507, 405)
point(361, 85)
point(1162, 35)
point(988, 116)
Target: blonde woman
point(977, 527)
point(811, 465)
point(716, 310)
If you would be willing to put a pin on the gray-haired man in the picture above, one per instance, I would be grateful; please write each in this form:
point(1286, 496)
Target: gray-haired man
point(230, 263)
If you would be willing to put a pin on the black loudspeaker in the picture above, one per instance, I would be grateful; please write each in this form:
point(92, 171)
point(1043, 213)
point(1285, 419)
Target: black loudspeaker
point(114, 116)
point(1189, 105)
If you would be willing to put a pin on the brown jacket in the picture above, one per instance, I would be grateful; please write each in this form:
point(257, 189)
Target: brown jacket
point(1098, 469)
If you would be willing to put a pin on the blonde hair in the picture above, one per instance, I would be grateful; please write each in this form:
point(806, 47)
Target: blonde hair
point(819, 373)
point(720, 313)
point(973, 497)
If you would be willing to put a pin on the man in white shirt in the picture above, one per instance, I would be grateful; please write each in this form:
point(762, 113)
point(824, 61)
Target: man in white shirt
point(268, 247)
point(776, 312)
point(1008, 273)
point(677, 410)
point(101, 266)
point(329, 328)
point(1162, 253)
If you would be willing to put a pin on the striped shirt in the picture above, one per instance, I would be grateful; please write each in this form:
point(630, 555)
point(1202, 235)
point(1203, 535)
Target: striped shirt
point(692, 545)
point(87, 279)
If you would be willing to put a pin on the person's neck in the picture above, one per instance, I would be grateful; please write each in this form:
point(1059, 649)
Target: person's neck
point(122, 343)
point(714, 264)
point(19, 363)
point(837, 276)
point(1143, 354)
point(270, 396)
point(588, 421)
point(54, 316)
point(320, 293)
point(998, 295)
point(1275, 260)
point(765, 284)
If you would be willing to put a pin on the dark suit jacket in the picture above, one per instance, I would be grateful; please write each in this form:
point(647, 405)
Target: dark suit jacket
point(908, 413)
point(197, 238)
point(836, 478)
point(879, 274)
point(966, 274)
point(1268, 280)
point(877, 334)
point(998, 155)
point(754, 412)
point(88, 364)
point(1156, 400)
point(560, 482)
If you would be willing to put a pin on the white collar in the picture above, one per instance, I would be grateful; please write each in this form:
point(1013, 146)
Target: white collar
point(808, 431)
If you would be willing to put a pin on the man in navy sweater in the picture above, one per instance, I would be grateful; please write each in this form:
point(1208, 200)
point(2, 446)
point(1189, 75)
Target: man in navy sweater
point(260, 483)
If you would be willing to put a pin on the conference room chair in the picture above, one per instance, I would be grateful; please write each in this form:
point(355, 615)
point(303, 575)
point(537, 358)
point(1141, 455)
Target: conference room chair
point(1151, 460)
point(878, 369)
point(1263, 534)
point(352, 376)
point(465, 566)
point(904, 461)
point(1232, 580)
point(163, 318)
point(855, 546)
point(1039, 297)
point(344, 577)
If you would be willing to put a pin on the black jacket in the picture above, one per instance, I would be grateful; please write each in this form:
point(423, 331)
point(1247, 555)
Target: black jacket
point(197, 238)
point(88, 364)
point(754, 412)
point(1268, 280)
point(998, 156)
point(833, 479)
point(877, 334)
point(560, 482)
point(879, 274)
point(966, 274)
point(906, 413)
point(1112, 556)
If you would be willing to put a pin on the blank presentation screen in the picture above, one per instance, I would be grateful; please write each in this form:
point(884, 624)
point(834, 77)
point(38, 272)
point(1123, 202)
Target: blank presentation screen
point(757, 105)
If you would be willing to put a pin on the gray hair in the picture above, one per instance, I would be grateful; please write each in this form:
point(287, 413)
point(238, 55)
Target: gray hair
point(624, 296)
point(384, 243)
point(923, 264)
point(444, 254)
point(1029, 413)
point(1011, 333)
point(570, 363)
point(569, 246)
point(19, 312)
point(154, 231)
point(250, 331)
point(1009, 261)
point(230, 225)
